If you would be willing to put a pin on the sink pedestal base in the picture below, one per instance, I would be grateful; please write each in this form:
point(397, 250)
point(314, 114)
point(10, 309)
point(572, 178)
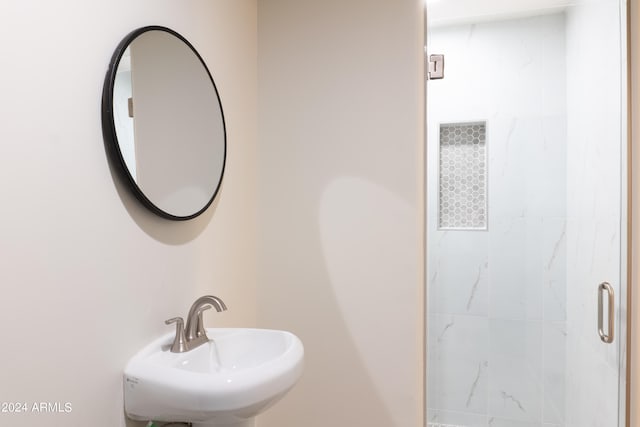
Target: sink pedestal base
point(248, 423)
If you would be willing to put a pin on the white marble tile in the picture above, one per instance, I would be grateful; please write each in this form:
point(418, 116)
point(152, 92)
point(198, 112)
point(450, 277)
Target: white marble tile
point(546, 167)
point(515, 370)
point(507, 142)
point(554, 237)
point(461, 351)
point(535, 254)
point(592, 387)
point(452, 418)
point(458, 282)
point(527, 166)
point(606, 245)
point(554, 370)
point(507, 271)
point(433, 392)
point(511, 82)
point(515, 269)
point(505, 422)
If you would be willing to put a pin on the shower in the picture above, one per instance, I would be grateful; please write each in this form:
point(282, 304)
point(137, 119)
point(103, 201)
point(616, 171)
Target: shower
point(526, 214)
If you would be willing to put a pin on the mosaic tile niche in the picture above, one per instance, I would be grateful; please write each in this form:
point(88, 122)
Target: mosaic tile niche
point(463, 176)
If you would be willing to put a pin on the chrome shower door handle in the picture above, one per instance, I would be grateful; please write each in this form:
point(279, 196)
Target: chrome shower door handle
point(603, 288)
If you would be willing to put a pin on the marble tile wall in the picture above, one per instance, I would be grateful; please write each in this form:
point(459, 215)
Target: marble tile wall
point(497, 299)
point(593, 211)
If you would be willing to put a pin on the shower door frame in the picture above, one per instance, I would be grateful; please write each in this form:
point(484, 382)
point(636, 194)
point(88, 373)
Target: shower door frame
point(625, 316)
point(629, 237)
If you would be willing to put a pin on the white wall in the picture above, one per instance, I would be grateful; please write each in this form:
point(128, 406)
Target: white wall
point(87, 275)
point(497, 304)
point(340, 137)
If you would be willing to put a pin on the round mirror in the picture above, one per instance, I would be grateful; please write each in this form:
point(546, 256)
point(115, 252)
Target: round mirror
point(163, 122)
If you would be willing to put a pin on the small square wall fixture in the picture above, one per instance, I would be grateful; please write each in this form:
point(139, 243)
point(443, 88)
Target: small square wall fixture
point(462, 174)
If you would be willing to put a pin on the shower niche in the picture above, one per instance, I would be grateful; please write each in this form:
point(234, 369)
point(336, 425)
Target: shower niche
point(462, 176)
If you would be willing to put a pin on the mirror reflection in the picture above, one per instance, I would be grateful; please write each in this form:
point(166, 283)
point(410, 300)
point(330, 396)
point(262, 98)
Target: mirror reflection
point(168, 130)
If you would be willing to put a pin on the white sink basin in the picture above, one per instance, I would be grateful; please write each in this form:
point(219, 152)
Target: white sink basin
point(232, 378)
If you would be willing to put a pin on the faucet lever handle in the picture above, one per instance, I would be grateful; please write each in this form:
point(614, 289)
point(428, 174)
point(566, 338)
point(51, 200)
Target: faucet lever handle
point(200, 323)
point(179, 342)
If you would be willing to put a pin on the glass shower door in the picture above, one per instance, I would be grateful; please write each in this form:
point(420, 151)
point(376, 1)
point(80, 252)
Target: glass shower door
point(526, 214)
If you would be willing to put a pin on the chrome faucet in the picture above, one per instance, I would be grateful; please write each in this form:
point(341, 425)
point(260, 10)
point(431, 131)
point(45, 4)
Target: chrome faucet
point(193, 334)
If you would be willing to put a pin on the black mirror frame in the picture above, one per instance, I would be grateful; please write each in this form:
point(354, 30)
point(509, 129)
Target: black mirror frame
point(109, 128)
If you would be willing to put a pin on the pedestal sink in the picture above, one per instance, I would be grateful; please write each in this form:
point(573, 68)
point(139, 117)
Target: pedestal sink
point(225, 382)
